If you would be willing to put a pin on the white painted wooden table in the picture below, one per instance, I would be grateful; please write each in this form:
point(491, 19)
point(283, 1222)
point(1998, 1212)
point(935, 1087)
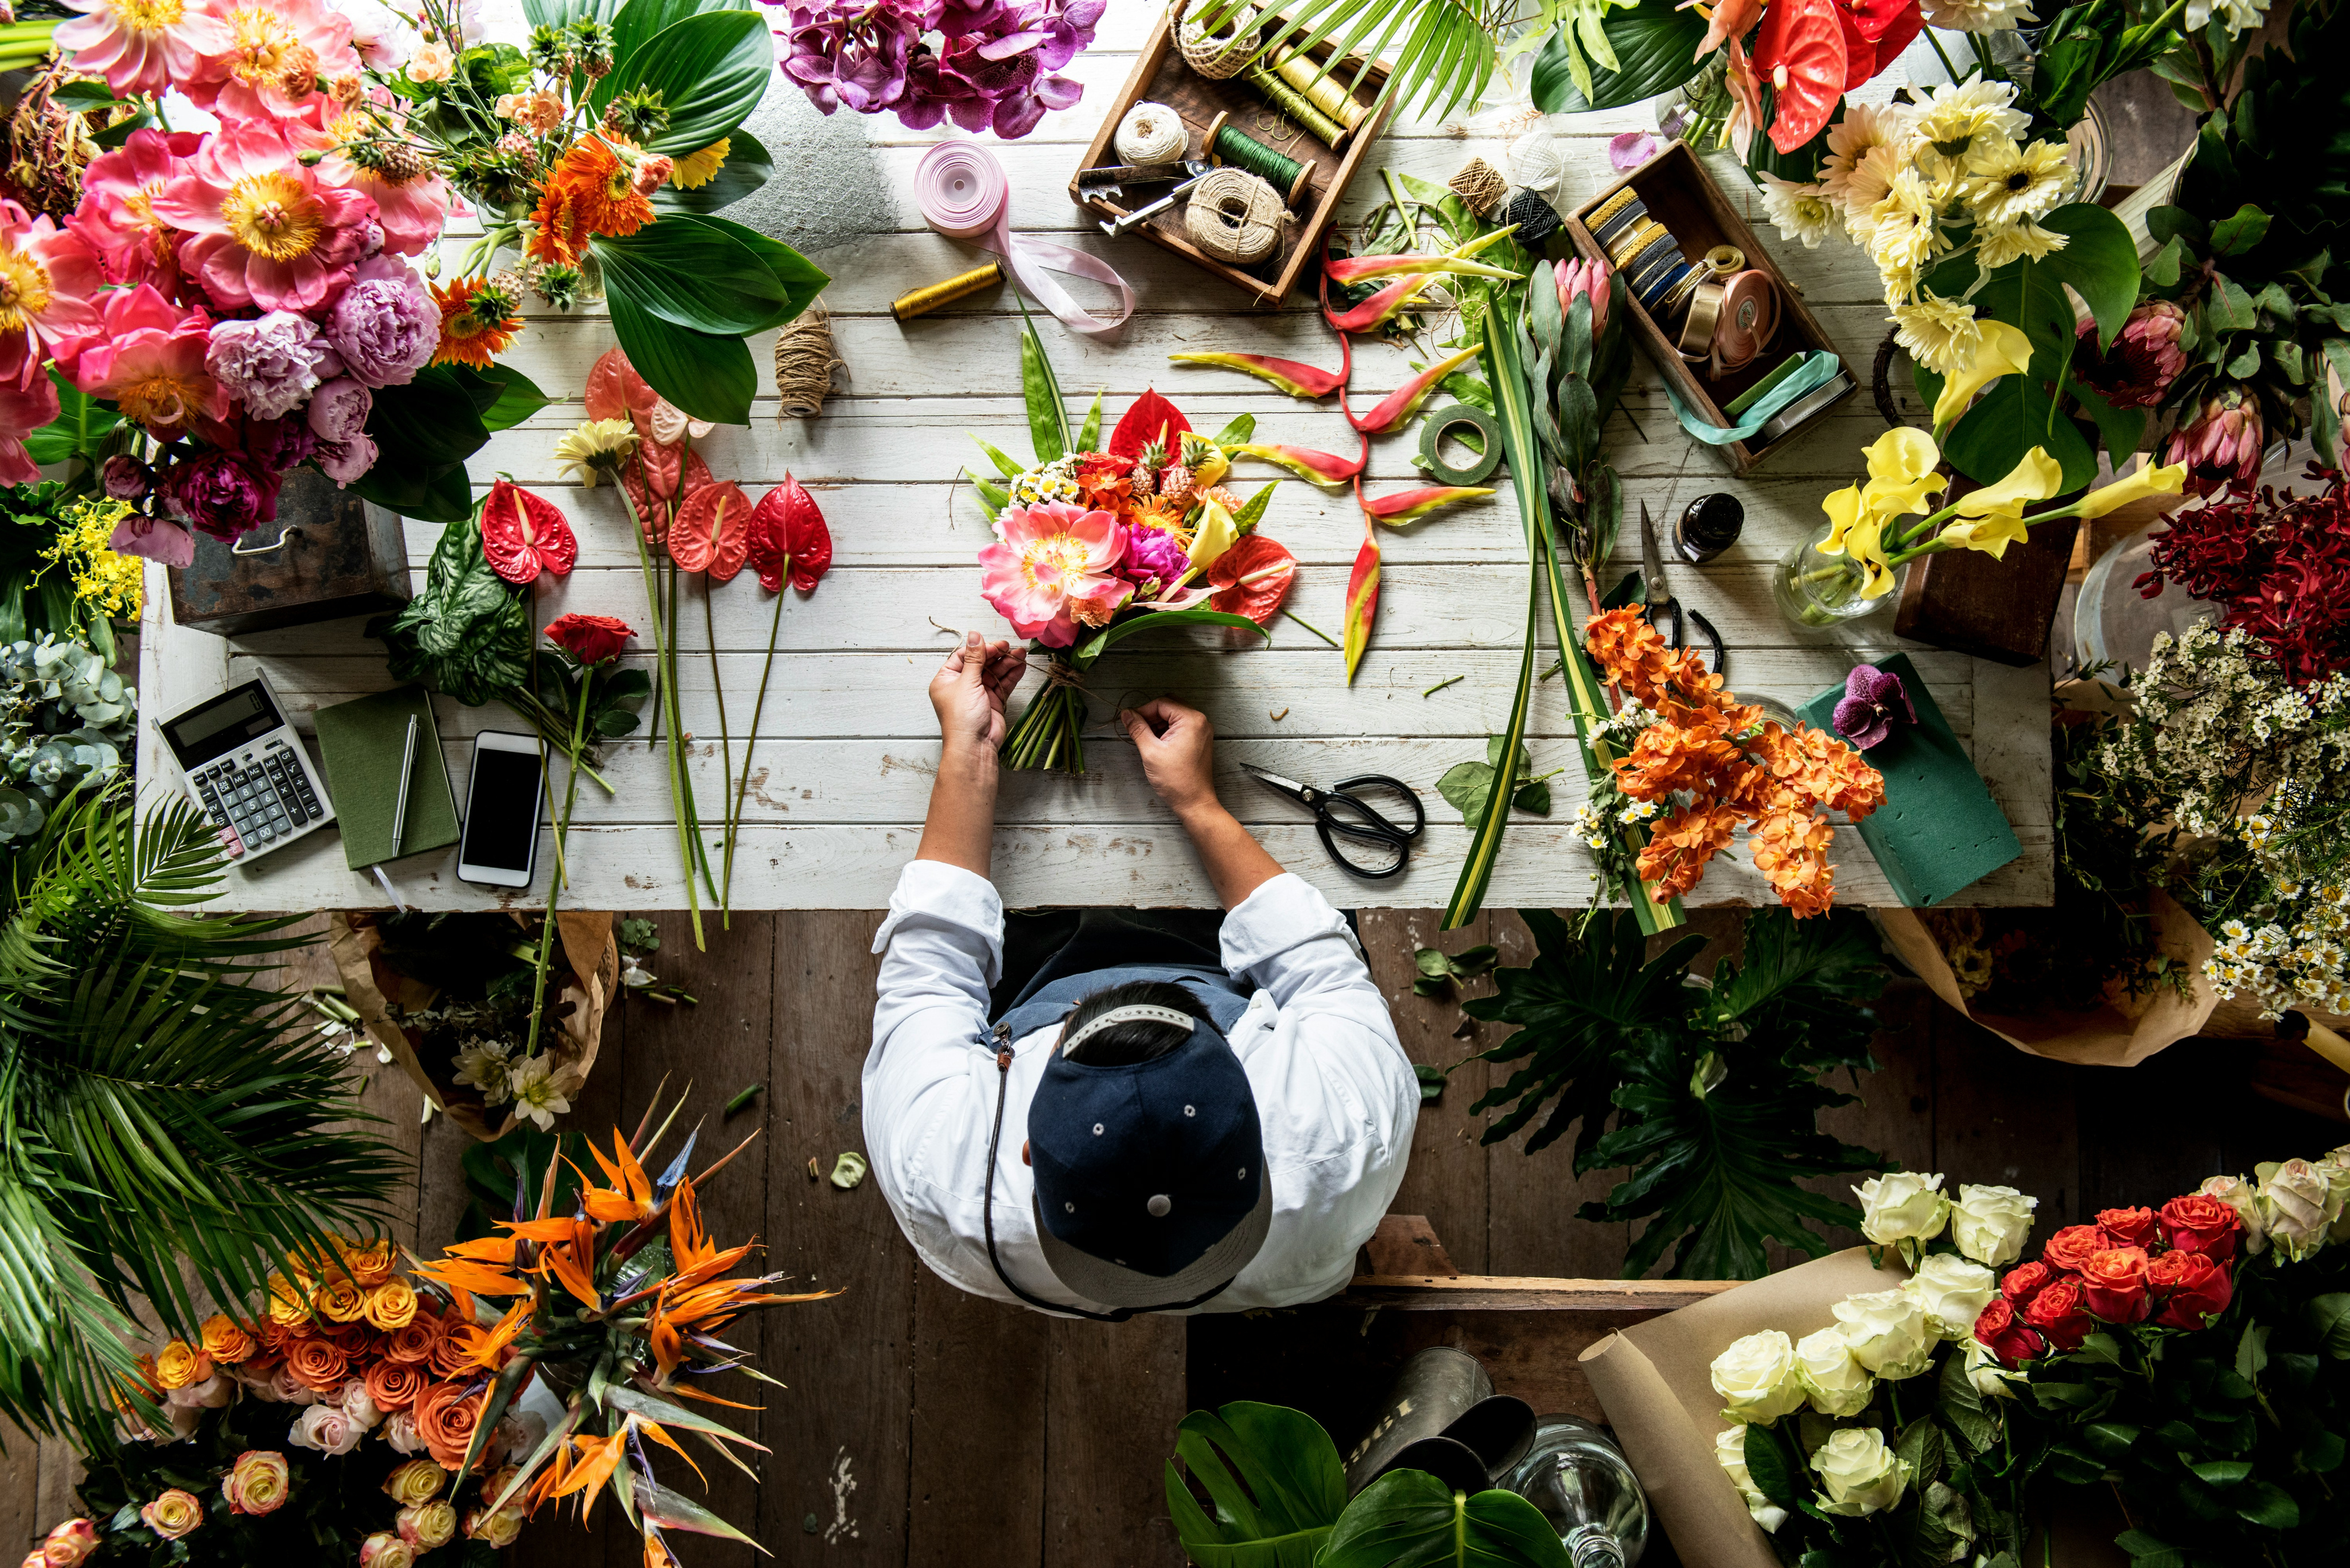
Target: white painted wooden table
point(842, 768)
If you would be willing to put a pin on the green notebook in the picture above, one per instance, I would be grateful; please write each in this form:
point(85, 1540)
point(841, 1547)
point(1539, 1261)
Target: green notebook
point(359, 746)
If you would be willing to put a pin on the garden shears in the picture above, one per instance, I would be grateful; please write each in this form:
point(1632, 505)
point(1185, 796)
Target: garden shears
point(1657, 601)
point(1340, 813)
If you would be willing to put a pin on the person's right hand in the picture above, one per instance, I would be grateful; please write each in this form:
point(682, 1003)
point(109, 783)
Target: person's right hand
point(1179, 752)
point(971, 690)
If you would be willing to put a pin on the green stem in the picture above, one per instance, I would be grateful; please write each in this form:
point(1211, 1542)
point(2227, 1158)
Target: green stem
point(668, 694)
point(1947, 64)
point(555, 883)
point(1312, 628)
point(751, 741)
point(725, 751)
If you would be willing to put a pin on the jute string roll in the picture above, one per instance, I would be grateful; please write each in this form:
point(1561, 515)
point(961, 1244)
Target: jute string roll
point(805, 360)
point(1219, 56)
point(1151, 133)
point(1480, 185)
point(1234, 216)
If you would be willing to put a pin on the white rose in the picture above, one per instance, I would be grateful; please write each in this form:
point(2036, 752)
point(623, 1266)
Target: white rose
point(1836, 1384)
point(355, 1404)
point(1902, 1206)
point(1991, 1223)
point(1888, 1331)
point(2297, 1207)
point(1860, 1473)
point(1730, 1447)
point(284, 1389)
point(399, 1431)
point(326, 1428)
point(1756, 1377)
point(1954, 1292)
point(2336, 1166)
point(2239, 1195)
point(1984, 1370)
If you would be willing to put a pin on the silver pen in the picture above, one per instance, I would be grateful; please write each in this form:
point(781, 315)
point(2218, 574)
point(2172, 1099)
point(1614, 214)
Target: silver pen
point(406, 772)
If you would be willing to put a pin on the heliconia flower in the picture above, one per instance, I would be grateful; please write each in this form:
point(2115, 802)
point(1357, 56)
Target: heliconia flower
point(275, 57)
point(1411, 505)
point(2221, 444)
point(140, 46)
point(50, 282)
point(1050, 561)
point(117, 218)
point(1585, 280)
point(263, 229)
point(1395, 411)
point(150, 360)
point(1325, 468)
point(1362, 599)
point(789, 538)
point(1370, 314)
point(1355, 269)
point(1298, 380)
point(712, 531)
point(523, 534)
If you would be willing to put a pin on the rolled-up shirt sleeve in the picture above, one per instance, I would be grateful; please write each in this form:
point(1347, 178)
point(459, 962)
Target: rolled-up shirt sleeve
point(942, 947)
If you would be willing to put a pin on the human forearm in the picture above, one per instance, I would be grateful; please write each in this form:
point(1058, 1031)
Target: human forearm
point(961, 827)
point(1236, 863)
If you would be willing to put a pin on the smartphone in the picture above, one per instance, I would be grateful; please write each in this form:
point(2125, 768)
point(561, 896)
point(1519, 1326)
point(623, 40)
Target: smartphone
point(501, 804)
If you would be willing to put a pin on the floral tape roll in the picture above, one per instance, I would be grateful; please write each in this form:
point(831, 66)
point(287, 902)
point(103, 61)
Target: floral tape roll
point(964, 193)
point(1704, 313)
point(1151, 133)
point(1432, 434)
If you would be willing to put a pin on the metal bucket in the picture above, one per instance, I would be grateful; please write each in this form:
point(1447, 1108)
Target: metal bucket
point(1442, 1415)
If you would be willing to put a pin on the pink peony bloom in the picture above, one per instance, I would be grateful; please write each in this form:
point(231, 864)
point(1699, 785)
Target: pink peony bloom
point(412, 200)
point(116, 216)
point(148, 358)
point(48, 286)
point(1052, 566)
point(140, 46)
point(263, 230)
point(2221, 444)
point(23, 410)
point(2144, 360)
point(275, 57)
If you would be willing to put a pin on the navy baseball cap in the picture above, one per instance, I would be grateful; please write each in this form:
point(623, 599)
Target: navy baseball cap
point(1150, 1180)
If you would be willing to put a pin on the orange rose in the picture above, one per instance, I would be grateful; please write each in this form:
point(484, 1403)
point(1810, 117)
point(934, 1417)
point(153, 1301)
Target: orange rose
point(319, 1364)
point(392, 1304)
point(340, 1300)
point(180, 1364)
point(412, 1340)
point(290, 1302)
point(452, 1355)
point(356, 1340)
point(394, 1384)
point(226, 1340)
point(446, 1414)
point(370, 1265)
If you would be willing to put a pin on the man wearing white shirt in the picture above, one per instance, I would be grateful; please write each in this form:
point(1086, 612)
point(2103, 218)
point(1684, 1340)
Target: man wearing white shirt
point(1136, 1132)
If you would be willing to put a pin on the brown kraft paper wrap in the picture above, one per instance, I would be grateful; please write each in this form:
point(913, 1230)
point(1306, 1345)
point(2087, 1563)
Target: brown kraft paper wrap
point(1655, 1380)
point(586, 975)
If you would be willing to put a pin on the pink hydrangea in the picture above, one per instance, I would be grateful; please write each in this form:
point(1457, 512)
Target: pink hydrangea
point(142, 45)
point(263, 230)
point(48, 285)
point(1052, 568)
point(275, 57)
point(116, 216)
point(148, 359)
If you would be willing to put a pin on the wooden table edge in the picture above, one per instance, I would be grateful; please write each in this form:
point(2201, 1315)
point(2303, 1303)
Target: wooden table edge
point(1507, 1292)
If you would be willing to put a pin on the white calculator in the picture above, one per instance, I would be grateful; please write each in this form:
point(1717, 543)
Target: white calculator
point(245, 765)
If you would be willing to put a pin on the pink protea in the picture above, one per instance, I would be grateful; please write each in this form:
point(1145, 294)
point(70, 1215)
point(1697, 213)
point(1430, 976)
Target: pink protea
point(142, 45)
point(263, 230)
point(2144, 360)
point(50, 282)
point(2221, 444)
point(275, 58)
point(116, 216)
point(148, 358)
point(411, 199)
point(1587, 279)
point(1052, 569)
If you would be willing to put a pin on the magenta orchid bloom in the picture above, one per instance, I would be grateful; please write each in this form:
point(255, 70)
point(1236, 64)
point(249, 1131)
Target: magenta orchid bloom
point(263, 229)
point(48, 286)
point(139, 46)
point(1053, 569)
point(276, 57)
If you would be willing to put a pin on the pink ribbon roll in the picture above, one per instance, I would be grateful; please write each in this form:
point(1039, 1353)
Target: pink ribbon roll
point(965, 194)
point(1749, 318)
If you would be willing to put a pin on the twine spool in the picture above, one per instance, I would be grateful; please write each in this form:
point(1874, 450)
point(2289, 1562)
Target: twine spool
point(1480, 185)
point(1227, 144)
point(1218, 56)
point(1151, 133)
point(1324, 91)
point(1536, 219)
point(1293, 103)
point(1235, 217)
point(805, 360)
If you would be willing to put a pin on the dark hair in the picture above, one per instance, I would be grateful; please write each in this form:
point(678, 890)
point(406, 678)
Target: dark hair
point(1138, 1040)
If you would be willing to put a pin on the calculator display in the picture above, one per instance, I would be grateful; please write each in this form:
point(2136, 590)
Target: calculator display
point(221, 725)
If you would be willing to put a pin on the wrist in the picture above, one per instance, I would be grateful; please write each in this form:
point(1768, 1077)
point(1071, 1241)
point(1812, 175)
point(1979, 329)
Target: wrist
point(1201, 811)
point(968, 757)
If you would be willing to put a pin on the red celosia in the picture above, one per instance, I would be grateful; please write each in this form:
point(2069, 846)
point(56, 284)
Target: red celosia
point(2278, 567)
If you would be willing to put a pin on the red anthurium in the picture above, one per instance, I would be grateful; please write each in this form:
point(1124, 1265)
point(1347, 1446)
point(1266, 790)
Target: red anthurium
point(1800, 50)
point(712, 530)
point(652, 487)
point(1872, 18)
point(1152, 418)
point(523, 534)
point(1252, 577)
point(1902, 30)
point(615, 391)
point(788, 537)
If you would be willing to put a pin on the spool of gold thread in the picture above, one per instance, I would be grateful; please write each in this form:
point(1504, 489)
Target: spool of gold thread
point(935, 295)
point(1325, 92)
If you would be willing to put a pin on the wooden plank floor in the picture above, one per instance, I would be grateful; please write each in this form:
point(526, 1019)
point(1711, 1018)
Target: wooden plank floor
point(923, 1428)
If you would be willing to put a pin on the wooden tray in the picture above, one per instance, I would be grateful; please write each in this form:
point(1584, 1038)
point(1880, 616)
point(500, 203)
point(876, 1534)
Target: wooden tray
point(1160, 76)
point(1681, 194)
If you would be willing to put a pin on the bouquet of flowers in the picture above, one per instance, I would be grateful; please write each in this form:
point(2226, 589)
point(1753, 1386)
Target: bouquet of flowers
point(992, 65)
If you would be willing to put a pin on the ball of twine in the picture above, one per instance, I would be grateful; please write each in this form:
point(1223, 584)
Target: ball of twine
point(1151, 133)
point(1222, 54)
point(1480, 185)
point(1234, 216)
point(805, 360)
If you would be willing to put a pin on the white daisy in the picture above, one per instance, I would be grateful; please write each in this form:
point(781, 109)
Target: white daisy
point(2008, 183)
point(1802, 212)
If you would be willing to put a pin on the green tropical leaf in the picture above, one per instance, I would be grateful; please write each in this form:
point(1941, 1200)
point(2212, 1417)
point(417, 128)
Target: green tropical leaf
point(1443, 53)
point(711, 70)
point(1093, 647)
point(467, 632)
point(710, 376)
point(1408, 1519)
point(686, 270)
point(82, 423)
point(800, 279)
point(1654, 41)
point(1274, 1478)
point(2099, 260)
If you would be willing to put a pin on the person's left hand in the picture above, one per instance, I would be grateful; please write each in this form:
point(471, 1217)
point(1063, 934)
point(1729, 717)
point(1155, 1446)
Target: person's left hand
point(971, 690)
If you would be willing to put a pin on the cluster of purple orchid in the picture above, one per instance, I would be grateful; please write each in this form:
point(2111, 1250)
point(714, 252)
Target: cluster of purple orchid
point(987, 64)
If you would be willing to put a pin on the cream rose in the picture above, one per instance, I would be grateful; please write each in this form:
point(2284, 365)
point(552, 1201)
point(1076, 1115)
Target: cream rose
point(1991, 1224)
point(2240, 1196)
point(385, 1550)
point(67, 1546)
point(1990, 1378)
point(173, 1514)
point(1888, 1331)
point(257, 1483)
point(210, 1394)
point(431, 63)
point(1860, 1473)
point(1756, 1377)
point(418, 1480)
point(1902, 1206)
point(1730, 1447)
point(399, 1431)
point(2297, 1207)
point(355, 1404)
point(326, 1428)
point(499, 1527)
point(1836, 1384)
point(2334, 1164)
point(284, 1389)
point(426, 1525)
point(1954, 1292)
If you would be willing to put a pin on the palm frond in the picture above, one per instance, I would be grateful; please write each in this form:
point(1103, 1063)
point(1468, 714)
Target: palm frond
point(1450, 50)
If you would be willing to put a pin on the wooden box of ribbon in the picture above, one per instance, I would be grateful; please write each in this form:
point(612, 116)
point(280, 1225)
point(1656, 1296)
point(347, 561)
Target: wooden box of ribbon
point(1740, 352)
point(1300, 132)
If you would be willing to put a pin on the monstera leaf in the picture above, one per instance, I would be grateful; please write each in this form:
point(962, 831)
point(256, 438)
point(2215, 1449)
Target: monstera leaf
point(1408, 1519)
point(1275, 1477)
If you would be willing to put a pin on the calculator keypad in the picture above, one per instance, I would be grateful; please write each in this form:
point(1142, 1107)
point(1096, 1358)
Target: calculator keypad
point(258, 798)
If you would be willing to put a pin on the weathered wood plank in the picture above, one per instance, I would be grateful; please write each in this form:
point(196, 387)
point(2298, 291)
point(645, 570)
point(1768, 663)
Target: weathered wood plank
point(1445, 1178)
point(978, 1451)
point(1116, 1394)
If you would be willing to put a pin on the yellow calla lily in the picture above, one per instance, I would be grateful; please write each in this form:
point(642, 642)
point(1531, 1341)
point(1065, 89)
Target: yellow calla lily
point(1995, 513)
point(1844, 509)
point(1856, 532)
point(2146, 480)
point(1215, 533)
point(1903, 453)
point(1999, 350)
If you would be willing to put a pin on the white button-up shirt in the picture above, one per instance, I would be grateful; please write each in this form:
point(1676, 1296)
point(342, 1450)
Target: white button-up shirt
point(1335, 1097)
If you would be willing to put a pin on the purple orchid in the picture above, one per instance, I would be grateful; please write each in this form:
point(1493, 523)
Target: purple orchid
point(993, 65)
point(1873, 704)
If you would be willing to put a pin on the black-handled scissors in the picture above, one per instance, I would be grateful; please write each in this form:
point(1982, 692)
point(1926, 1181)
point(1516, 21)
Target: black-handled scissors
point(1658, 601)
point(1340, 812)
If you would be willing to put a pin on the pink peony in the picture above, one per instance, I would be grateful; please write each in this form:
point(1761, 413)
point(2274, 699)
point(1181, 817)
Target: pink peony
point(159, 539)
point(1051, 569)
point(2144, 360)
point(412, 200)
point(23, 410)
point(148, 359)
point(263, 230)
point(275, 58)
point(48, 285)
point(2221, 444)
point(140, 46)
point(117, 217)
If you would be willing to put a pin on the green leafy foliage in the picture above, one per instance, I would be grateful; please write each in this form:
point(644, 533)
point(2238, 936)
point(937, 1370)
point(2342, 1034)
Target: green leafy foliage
point(1714, 1091)
point(82, 425)
point(466, 634)
point(425, 430)
point(67, 722)
point(1440, 971)
point(683, 294)
point(710, 70)
point(1273, 1476)
point(1443, 53)
point(2085, 47)
point(1410, 1518)
point(1468, 786)
point(505, 1177)
point(1655, 42)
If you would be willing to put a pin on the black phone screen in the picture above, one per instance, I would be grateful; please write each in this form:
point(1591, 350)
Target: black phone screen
point(502, 810)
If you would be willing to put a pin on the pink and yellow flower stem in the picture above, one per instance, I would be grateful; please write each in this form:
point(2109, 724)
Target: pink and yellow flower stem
point(665, 664)
point(1299, 381)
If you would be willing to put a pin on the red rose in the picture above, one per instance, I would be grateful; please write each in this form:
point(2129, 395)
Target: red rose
point(2129, 1227)
point(2004, 1337)
point(2194, 1288)
point(2023, 1282)
point(2201, 1223)
point(591, 638)
point(2073, 1246)
point(2113, 1285)
point(2058, 1315)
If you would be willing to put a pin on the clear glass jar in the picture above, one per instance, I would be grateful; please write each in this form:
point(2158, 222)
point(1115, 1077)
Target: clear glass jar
point(1818, 590)
point(1580, 1481)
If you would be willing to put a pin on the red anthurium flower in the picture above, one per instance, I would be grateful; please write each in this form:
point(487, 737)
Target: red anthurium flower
point(523, 534)
point(1801, 51)
point(1252, 578)
point(788, 537)
point(651, 495)
point(1872, 18)
point(615, 391)
point(1152, 418)
point(712, 531)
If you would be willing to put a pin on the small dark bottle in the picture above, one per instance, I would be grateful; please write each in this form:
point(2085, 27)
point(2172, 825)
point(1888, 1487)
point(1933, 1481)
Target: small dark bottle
point(1707, 526)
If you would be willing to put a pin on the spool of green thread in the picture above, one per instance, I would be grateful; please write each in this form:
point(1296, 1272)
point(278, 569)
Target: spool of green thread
point(1226, 144)
point(1432, 437)
point(1295, 104)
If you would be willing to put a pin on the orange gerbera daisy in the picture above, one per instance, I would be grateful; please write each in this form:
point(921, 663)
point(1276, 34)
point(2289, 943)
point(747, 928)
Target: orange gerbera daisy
point(591, 189)
point(477, 322)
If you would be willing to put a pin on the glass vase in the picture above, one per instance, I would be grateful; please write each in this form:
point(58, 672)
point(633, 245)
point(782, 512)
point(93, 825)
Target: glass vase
point(1816, 590)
